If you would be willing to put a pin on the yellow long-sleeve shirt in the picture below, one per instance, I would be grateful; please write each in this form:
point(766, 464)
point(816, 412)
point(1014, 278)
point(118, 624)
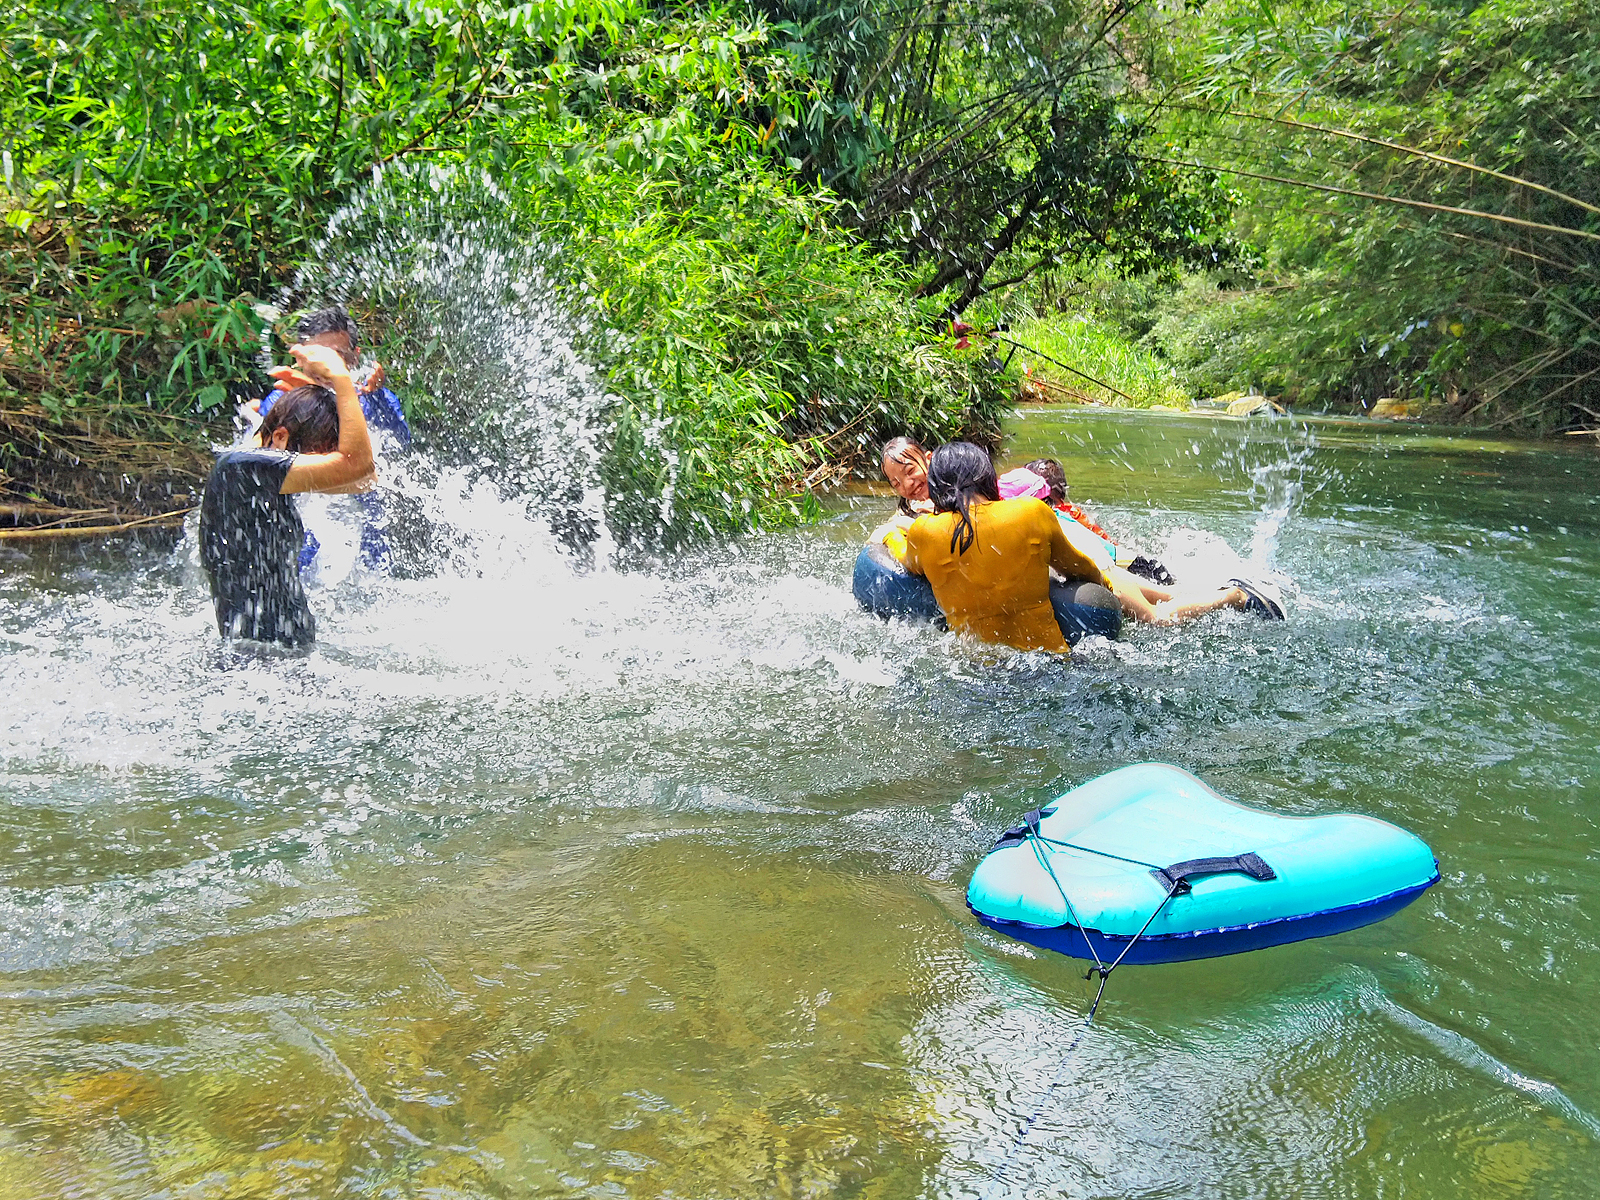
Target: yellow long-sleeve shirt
point(999, 590)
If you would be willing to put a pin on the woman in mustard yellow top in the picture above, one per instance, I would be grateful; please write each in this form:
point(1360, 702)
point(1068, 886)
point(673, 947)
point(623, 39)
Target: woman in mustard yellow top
point(989, 559)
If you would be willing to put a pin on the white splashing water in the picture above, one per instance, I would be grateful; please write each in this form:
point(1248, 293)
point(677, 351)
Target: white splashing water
point(1279, 479)
point(1279, 486)
point(482, 338)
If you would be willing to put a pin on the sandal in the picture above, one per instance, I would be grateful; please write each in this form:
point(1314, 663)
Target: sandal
point(1264, 599)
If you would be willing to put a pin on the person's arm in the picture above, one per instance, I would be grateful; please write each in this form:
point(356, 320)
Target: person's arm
point(912, 561)
point(349, 466)
point(364, 484)
point(899, 522)
point(1073, 559)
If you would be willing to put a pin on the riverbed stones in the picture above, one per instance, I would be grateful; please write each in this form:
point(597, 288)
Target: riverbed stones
point(1254, 406)
point(1391, 408)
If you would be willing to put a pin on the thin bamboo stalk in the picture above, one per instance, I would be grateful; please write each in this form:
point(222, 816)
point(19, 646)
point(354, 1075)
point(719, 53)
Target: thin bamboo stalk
point(1064, 366)
point(1400, 147)
point(1500, 218)
point(1049, 385)
point(30, 535)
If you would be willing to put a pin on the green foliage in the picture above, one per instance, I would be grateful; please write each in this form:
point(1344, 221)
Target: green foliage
point(168, 167)
point(1220, 340)
point(772, 345)
point(166, 163)
point(1093, 318)
point(754, 348)
point(987, 140)
point(1136, 376)
point(1425, 108)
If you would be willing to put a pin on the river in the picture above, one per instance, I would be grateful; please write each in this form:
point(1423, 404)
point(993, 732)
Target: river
point(530, 883)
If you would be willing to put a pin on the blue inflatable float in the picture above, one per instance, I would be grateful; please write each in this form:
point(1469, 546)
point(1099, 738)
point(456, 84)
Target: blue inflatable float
point(882, 586)
point(1150, 861)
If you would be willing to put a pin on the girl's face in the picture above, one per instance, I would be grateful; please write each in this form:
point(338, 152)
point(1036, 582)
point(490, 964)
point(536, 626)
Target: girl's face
point(907, 473)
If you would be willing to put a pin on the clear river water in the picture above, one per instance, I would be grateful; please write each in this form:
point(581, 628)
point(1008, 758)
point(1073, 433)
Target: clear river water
point(535, 883)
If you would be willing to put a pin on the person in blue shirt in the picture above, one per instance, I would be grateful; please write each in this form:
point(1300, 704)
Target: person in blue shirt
point(333, 328)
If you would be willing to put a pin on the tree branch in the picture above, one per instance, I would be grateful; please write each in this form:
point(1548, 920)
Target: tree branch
point(1401, 200)
point(1398, 147)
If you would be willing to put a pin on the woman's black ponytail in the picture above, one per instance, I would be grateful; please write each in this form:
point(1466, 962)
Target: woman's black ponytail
point(960, 472)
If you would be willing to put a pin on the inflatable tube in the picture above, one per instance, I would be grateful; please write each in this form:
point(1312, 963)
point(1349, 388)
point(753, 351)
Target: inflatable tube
point(1083, 875)
point(882, 586)
point(1085, 608)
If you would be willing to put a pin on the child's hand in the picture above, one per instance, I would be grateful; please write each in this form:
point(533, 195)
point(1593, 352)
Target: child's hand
point(321, 363)
point(375, 380)
point(288, 378)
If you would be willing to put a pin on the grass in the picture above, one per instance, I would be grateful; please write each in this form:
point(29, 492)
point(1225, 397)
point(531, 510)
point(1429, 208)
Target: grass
point(1124, 373)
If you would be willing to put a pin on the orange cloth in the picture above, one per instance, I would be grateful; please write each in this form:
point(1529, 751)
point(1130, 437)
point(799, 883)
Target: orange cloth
point(1082, 518)
point(999, 590)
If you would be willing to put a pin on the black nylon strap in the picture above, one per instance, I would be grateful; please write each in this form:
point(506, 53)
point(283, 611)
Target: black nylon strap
point(1018, 834)
point(1176, 877)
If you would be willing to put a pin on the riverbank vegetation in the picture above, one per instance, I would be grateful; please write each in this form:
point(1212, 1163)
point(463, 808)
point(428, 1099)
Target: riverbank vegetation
point(1080, 359)
point(779, 206)
point(1419, 199)
point(172, 169)
point(1414, 210)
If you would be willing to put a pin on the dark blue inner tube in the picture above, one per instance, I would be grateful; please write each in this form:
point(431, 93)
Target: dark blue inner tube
point(884, 587)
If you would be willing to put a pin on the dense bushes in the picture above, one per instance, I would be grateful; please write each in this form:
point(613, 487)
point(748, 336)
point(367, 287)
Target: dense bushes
point(764, 211)
point(753, 349)
point(168, 167)
point(1468, 268)
point(774, 346)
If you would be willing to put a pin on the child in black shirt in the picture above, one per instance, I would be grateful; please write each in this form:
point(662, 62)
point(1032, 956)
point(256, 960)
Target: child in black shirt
point(314, 440)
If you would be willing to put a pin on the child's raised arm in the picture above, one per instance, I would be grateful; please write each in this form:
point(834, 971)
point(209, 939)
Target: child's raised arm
point(350, 465)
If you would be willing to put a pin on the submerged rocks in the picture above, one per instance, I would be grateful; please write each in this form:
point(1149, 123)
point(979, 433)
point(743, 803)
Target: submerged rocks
point(1391, 409)
point(1239, 404)
point(1254, 406)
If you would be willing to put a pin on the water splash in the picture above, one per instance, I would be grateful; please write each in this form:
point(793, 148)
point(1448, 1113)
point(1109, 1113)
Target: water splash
point(1280, 484)
point(1274, 475)
point(489, 341)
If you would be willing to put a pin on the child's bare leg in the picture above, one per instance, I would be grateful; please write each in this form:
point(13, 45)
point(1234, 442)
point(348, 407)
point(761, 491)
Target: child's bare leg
point(1156, 594)
point(1132, 598)
point(1139, 596)
point(1130, 582)
point(1176, 612)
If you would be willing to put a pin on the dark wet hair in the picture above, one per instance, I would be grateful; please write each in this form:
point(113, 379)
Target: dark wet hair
point(310, 415)
point(1052, 472)
point(895, 448)
point(960, 472)
point(331, 320)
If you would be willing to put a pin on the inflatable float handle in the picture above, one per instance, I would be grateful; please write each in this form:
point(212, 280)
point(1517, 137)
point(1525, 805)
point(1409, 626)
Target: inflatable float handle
point(1175, 879)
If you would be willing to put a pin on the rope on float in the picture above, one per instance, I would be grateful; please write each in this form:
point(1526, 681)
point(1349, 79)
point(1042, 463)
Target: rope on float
point(1033, 834)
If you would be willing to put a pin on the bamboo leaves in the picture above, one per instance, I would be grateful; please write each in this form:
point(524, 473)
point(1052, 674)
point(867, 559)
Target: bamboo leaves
point(1429, 197)
point(166, 164)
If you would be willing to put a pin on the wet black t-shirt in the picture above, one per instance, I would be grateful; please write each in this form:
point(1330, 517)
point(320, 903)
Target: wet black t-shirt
point(250, 537)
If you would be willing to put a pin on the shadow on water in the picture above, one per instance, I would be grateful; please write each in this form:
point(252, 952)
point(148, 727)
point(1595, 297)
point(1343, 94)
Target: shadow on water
point(532, 881)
